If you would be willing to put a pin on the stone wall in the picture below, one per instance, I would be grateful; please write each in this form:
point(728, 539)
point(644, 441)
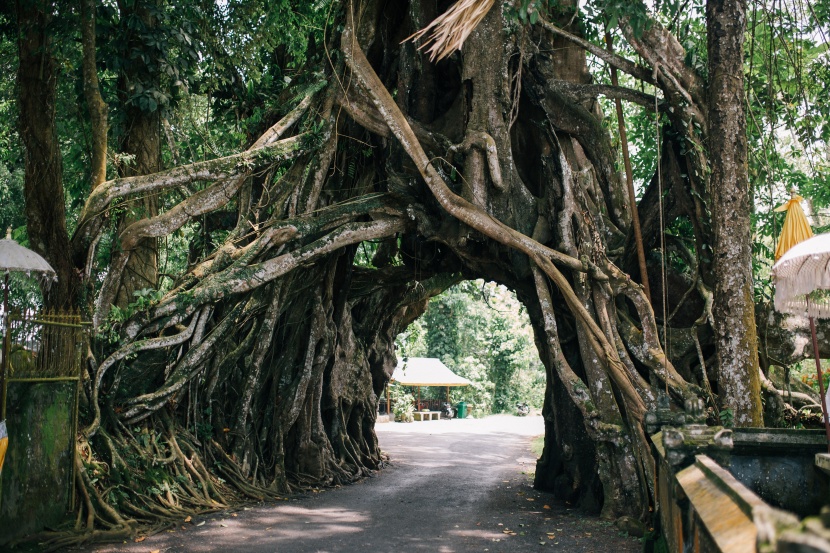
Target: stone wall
point(741, 491)
point(36, 478)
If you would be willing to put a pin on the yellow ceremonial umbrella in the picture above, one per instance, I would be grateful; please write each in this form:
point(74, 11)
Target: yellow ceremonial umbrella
point(796, 227)
point(801, 268)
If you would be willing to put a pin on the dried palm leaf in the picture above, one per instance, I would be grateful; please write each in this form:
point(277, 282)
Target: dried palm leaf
point(448, 31)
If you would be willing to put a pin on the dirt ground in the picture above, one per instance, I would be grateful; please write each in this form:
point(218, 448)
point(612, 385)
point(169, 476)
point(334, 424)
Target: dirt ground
point(450, 487)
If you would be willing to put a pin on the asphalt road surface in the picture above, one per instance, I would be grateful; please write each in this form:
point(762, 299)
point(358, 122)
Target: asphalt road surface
point(450, 487)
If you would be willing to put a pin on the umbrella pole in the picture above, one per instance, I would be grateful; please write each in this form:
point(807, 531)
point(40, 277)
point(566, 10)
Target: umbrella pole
point(820, 382)
point(6, 348)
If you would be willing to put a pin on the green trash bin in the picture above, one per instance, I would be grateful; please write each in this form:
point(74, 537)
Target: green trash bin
point(461, 411)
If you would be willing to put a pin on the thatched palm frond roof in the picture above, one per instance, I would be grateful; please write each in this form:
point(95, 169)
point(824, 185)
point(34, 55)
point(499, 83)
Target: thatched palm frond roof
point(448, 31)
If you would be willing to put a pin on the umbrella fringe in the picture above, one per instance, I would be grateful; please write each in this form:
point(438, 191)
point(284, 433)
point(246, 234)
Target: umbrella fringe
point(802, 278)
point(816, 309)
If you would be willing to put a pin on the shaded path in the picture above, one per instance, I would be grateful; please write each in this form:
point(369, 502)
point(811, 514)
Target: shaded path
point(452, 486)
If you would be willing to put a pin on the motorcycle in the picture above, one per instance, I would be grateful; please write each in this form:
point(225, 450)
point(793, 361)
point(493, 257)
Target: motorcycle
point(447, 412)
point(522, 409)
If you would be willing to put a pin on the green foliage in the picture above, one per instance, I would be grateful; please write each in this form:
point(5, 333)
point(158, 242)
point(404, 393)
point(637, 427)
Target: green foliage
point(727, 417)
point(403, 403)
point(363, 256)
point(480, 331)
point(145, 299)
point(806, 372)
point(12, 211)
point(480, 393)
point(788, 122)
point(152, 47)
point(203, 428)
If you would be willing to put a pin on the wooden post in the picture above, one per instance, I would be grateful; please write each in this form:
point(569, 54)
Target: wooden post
point(820, 383)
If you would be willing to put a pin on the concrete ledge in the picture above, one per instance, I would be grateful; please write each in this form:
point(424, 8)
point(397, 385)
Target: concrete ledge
point(427, 415)
point(778, 439)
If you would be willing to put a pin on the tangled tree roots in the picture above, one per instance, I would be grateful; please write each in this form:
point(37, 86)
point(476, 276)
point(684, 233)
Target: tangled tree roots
point(258, 374)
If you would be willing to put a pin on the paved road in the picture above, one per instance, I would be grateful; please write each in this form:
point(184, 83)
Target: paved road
point(451, 487)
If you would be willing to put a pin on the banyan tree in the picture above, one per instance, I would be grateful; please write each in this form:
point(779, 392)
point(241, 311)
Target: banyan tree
point(477, 149)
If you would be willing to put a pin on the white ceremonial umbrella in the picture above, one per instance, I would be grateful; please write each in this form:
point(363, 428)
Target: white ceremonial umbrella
point(802, 282)
point(14, 257)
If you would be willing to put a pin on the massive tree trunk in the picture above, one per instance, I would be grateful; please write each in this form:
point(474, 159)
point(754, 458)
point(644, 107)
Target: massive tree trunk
point(141, 143)
point(37, 77)
point(264, 362)
point(734, 309)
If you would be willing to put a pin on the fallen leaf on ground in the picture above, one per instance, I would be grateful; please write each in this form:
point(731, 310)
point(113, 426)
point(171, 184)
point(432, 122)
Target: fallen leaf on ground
point(201, 523)
point(234, 515)
point(531, 499)
point(156, 551)
point(141, 539)
point(188, 519)
point(546, 507)
point(223, 525)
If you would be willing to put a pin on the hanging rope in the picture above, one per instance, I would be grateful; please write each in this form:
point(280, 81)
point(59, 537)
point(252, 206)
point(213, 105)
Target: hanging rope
point(664, 291)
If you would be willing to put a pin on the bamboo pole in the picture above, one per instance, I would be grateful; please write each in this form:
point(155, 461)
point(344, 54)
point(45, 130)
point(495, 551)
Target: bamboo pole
point(629, 179)
point(6, 347)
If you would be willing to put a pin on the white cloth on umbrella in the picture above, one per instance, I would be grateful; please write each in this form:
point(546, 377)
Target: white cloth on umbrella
point(805, 268)
point(16, 258)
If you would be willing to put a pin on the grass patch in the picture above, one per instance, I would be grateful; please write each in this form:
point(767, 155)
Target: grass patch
point(537, 445)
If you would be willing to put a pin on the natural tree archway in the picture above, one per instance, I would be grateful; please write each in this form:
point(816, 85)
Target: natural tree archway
point(279, 322)
point(264, 363)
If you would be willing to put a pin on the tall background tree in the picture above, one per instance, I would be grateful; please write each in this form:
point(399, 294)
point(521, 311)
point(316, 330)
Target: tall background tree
point(734, 306)
point(37, 86)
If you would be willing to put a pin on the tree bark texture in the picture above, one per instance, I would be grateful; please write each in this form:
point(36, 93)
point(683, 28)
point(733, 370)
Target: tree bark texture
point(734, 309)
point(37, 77)
point(98, 109)
point(141, 140)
